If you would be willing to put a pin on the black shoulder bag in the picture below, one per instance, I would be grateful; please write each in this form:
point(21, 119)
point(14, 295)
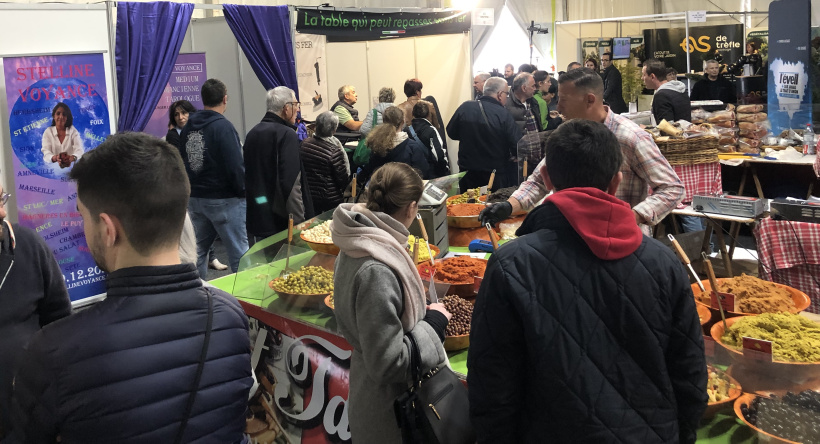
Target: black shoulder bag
point(435, 409)
point(203, 355)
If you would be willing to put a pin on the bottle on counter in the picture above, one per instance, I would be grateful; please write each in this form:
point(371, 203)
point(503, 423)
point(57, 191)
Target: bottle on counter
point(808, 140)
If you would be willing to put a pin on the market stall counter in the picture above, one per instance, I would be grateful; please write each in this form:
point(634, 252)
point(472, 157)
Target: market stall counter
point(302, 362)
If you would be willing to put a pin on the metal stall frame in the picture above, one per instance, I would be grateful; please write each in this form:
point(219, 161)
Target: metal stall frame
point(670, 16)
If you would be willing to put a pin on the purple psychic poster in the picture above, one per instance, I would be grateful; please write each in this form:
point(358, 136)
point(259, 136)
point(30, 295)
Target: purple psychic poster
point(188, 76)
point(57, 112)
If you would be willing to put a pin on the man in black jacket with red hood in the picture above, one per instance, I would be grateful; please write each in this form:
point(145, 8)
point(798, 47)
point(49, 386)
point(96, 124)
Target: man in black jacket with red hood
point(275, 181)
point(585, 329)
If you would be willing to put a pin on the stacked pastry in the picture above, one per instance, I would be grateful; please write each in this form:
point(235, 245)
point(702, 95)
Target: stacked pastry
point(751, 121)
point(726, 127)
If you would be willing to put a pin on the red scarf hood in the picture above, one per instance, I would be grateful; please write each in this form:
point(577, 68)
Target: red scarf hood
point(605, 223)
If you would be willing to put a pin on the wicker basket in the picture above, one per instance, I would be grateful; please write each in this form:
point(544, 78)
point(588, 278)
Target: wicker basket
point(693, 157)
point(677, 146)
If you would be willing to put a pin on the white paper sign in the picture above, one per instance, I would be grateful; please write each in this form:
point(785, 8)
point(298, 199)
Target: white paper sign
point(697, 16)
point(311, 74)
point(483, 16)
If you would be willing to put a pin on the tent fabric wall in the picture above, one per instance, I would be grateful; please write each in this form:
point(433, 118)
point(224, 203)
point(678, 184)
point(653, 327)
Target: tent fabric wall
point(596, 9)
point(149, 36)
point(264, 34)
point(371, 65)
point(226, 62)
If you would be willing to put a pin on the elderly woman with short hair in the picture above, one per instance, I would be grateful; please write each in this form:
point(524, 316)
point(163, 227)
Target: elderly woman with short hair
point(386, 98)
point(326, 165)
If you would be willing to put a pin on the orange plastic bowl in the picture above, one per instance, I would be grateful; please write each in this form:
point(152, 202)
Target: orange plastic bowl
point(800, 299)
point(734, 392)
point(482, 198)
point(704, 314)
point(747, 399)
point(321, 247)
point(795, 371)
point(455, 343)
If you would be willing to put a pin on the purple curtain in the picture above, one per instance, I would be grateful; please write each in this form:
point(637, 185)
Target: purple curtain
point(149, 36)
point(263, 33)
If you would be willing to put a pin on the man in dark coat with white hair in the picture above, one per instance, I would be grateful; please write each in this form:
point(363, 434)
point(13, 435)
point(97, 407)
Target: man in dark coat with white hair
point(275, 180)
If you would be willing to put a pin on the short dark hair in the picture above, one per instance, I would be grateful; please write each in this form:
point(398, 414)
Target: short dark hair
point(606, 54)
point(212, 92)
point(69, 119)
point(582, 153)
point(656, 67)
point(553, 86)
point(411, 87)
point(540, 76)
point(570, 66)
point(421, 110)
point(526, 67)
point(584, 79)
point(671, 71)
point(140, 180)
point(185, 105)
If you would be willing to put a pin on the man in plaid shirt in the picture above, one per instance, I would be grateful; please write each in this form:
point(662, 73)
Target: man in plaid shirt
point(580, 94)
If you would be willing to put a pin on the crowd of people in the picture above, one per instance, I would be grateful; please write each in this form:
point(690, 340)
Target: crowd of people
point(166, 358)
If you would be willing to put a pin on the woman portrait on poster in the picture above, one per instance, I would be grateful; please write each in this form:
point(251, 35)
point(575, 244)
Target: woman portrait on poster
point(178, 114)
point(61, 141)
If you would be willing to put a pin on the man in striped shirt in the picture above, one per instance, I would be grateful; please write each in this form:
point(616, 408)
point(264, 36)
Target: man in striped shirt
point(649, 185)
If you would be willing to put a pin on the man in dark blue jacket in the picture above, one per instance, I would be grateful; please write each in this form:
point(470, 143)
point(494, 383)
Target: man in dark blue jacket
point(162, 359)
point(488, 138)
point(585, 330)
point(213, 160)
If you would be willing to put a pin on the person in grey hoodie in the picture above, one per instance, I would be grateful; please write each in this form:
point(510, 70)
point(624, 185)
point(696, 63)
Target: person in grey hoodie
point(671, 102)
point(386, 98)
point(379, 299)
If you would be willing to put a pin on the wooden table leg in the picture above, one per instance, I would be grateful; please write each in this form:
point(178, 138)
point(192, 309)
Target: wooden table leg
point(727, 261)
point(743, 179)
point(757, 182)
point(734, 230)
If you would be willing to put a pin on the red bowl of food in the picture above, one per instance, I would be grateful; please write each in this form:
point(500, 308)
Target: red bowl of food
point(459, 271)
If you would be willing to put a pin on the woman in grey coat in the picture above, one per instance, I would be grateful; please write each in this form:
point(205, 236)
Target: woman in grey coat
point(386, 98)
point(379, 299)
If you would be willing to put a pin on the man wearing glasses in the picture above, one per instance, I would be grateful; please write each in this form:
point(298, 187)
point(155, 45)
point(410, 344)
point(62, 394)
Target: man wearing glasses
point(275, 177)
point(488, 138)
point(32, 295)
point(212, 155)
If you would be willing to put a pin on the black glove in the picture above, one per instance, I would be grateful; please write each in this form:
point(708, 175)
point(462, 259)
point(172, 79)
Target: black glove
point(495, 213)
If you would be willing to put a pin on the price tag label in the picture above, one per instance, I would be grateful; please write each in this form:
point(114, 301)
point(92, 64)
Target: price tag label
point(726, 299)
point(709, 346)
point(477, 283)
point(697, 16)
point(757, 349)
point(427, 272)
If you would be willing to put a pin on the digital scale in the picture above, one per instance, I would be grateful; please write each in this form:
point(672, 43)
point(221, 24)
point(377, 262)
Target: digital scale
point(432, 196)
point(796, 210)
point(433, 213)
point(739, 206)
